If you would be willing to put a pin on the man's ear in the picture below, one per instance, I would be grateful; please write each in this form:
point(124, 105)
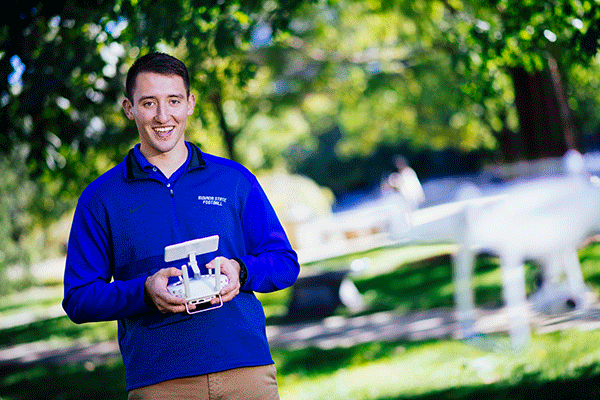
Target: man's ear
point(128, 108)
point(191, 104)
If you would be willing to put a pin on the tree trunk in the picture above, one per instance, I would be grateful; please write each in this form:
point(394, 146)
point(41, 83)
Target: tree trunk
point(509, 143)
point(546, 123)
point(229, 136)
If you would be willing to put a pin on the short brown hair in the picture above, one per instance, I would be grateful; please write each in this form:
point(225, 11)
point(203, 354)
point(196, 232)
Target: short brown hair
point(159, 63)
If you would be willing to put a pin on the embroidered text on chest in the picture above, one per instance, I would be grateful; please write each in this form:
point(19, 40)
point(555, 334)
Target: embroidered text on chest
point(212, 200)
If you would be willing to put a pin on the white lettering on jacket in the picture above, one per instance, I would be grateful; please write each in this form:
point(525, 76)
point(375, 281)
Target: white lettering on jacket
point(213, 200)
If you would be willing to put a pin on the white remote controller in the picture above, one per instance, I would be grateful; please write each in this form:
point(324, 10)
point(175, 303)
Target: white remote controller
point(200, 288)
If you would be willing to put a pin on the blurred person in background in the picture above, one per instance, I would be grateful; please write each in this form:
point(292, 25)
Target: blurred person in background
point(401, 193)
point(406, 182)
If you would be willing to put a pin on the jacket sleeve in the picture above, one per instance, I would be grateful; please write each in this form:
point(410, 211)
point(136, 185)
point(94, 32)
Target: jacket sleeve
point(271, 262)
point(91, 294)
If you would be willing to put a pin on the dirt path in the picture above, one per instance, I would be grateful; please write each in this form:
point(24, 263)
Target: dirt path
point(328, 333)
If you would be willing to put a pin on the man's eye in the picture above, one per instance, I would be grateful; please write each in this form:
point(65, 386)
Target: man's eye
point(175, 102)
point(148, 104)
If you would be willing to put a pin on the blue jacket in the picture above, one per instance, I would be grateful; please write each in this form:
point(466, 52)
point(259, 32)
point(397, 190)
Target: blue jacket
point(122, 223)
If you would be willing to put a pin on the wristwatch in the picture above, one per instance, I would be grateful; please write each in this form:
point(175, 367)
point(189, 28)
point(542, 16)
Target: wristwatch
point(243, 272)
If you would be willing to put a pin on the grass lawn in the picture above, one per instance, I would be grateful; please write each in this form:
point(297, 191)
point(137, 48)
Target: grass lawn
point(446, 369)
point(562, 364)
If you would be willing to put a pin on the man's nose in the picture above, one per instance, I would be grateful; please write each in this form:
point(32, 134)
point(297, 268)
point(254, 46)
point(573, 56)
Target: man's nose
point(161, 116)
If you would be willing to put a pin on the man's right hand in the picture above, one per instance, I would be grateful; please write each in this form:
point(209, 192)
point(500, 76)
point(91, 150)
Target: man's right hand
point(156, 289)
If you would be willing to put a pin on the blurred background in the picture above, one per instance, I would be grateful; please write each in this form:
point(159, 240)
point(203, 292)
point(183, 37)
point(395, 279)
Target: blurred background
point(319, 99)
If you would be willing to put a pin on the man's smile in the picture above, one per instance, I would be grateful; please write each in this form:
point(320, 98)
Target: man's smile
point(163, 130)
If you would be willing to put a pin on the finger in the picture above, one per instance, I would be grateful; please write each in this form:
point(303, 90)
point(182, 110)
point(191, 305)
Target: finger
point(233, 273)
point(229, 296)
point(174, 307)
point(225, 296)
point(172, 271)
point(168, 300)
point(179, 306)
point(228, 270)
point(230, 287)
point(213, 263)
point(229, 292)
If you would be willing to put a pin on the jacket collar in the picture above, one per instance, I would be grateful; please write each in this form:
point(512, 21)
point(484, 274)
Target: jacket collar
point(134, 170)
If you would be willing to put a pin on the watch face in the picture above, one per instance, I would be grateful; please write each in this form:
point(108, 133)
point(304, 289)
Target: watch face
point(243, 272)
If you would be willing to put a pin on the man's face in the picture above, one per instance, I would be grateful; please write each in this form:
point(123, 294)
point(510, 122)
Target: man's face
point(160, 108)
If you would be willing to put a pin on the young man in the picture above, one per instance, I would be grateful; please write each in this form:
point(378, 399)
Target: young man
point(167, 191)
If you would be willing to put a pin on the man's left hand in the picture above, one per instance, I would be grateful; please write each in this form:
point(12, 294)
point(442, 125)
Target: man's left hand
point(231, 269)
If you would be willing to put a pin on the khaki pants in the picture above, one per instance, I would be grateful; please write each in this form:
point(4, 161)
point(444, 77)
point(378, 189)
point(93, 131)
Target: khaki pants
point(250, 383)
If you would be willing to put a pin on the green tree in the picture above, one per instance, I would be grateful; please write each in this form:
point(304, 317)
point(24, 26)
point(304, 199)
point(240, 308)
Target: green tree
point(62, 65)
point(444, 73)
point(537, 43)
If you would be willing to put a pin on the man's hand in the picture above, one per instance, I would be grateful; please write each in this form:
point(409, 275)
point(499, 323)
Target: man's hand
point(231, 268)
point(156, 289)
